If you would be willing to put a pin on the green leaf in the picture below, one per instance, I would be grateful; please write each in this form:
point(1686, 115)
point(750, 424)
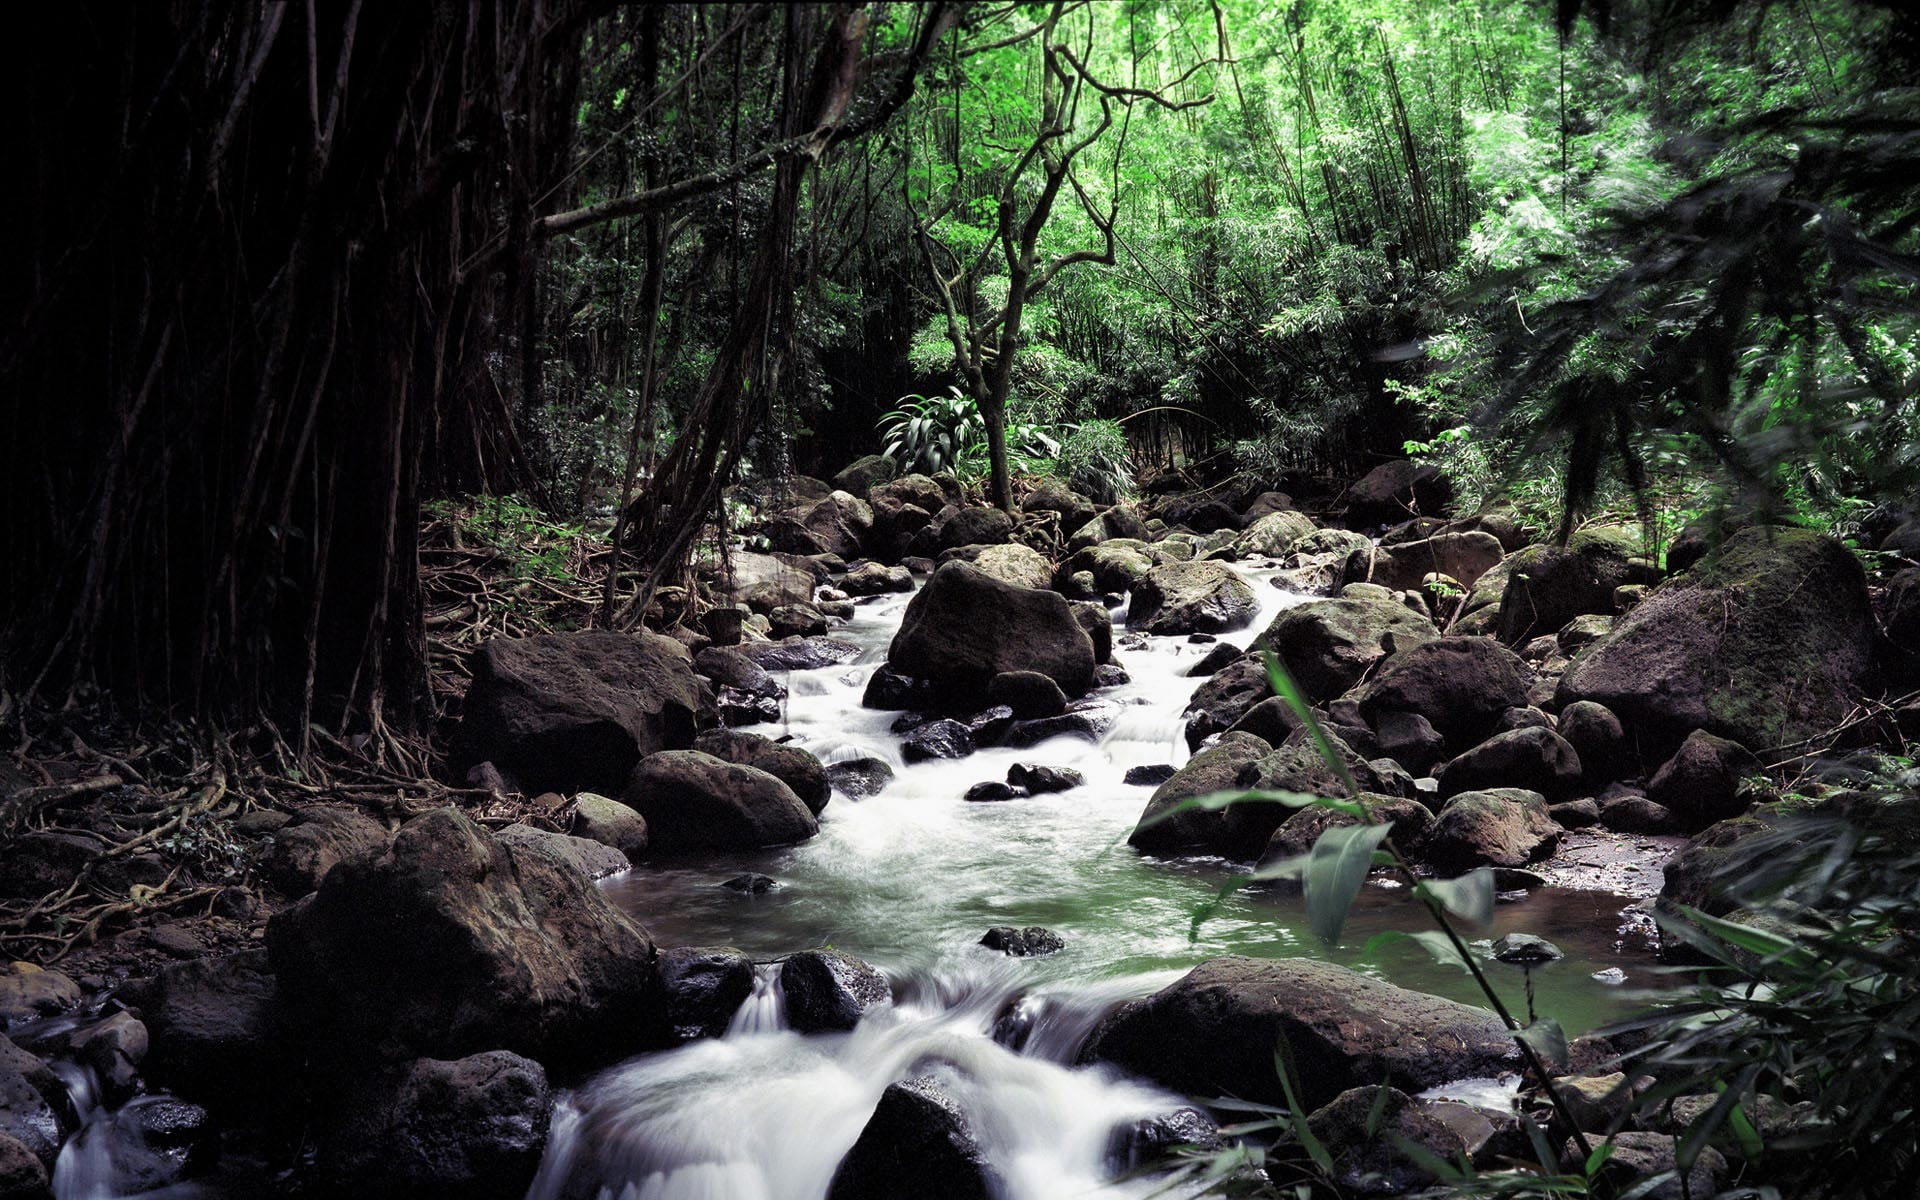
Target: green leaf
point(1336, 868)
point(1469, 897)
point(1597, 1159)
point(1214, 801)
point(1285, 688)
point(1436, 944)
point(1309, 1141)
point(1548, 1040)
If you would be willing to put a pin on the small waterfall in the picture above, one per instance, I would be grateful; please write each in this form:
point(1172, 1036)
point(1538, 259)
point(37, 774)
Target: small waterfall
point(765, 1011)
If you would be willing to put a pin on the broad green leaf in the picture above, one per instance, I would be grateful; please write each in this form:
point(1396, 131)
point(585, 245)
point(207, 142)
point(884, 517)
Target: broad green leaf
point(1469, 897)
point(1548, 1040)
point(1315, 1148)
point(1757, 941)
point(1598, 1158)
point(1336, 868)
point(1215, 801)
point(1436, 943)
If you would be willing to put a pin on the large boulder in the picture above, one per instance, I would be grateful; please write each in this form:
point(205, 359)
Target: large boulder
point(1226, 697)
point(1547, 586)
point(1214, 769)
point(1273, 534)
point(860, 476)
point(792, 765)
point(827, 990)
point(569, 712)
point(762, 582)
point(319, 838)
point(1116, 565)
point(1464, 557)
point(1597, 736)
point(964, 627)
point(1767, 642)
point(473, 1127)
point(452, 943)
point(22, 1175)
point(609, 822)
point(1367, 1132)
point(917, 1143)
point(1022, 566)
point(1192, 597)
point(1297, 834)
point(1461, 685)
point(695, 801)
point(705, 986)
point(1701, 783)
point(1074, 509)
point(32, 1101)
point(1210, 1033)
point(978, 526)
point(28, 993)
point(1396, 490)
point(1533, 757)
point(216, 1027)
point(1500, 827)
point(595, 860)
point(1329, 645)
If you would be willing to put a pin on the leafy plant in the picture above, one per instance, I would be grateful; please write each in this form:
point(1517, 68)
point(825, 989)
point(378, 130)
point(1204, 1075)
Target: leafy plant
point(1095, 460)
point(933, 433)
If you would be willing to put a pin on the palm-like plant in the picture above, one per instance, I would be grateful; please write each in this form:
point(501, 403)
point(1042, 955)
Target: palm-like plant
point(932, 433)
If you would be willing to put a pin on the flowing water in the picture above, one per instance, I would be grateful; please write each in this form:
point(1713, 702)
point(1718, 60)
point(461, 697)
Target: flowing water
point(909, 880)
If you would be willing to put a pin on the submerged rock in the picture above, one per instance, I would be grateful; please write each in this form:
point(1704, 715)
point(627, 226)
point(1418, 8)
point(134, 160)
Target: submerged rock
point(859, 778)
point(1030, 942)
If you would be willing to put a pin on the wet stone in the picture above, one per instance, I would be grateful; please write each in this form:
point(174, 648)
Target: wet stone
point(751, 883)
point(1526, 950)
point(859, 778)
point(1151, 775)
point(1030, 942)
point(1038, 780)
point(992, 790)
point(944, 738)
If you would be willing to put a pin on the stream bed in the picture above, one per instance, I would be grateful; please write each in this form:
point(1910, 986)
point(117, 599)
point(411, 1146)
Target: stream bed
point(911, 878)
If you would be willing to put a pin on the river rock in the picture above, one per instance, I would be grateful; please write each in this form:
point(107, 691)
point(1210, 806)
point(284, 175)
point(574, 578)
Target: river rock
point(827, 990)
point(453, 942)
point(762, 581)
point(799, 654)
point(1395, 490)
point(1149, 1141)
point(792, 765)
point(1328, 645)
point(1701, 783)
point(1030, 942)
point(1215, 660)
point(1500, 827)
point(1039, 780)
point(1028, 693)
point(1089, 719)
point(155, 1142)
point(28, 992)
point(1051, 496)
point(796, 621)
point(945, 738)
point(1272, 534)
point(1531, 757)
point(1597, 736)
point(964, 627)
point(1633, 813)
point(731, 667)
point(1367, 1131)
point(591, 858)
point(215, 1027)
point(1767, 642)
point(693, 800)
point(1013, 563)
point(992, 791)
point(22, 1177)
point(1200, 513)
point(32, 1099)
point(917, 1143)
point(873, 579)
point(1115, 565)
point(1344, 1029)
point(1640, 1156)
point(1548, 586)
point(1297, 834)
point(1214, 769)
point(474, 1127)
point(705, 986)
point(1410, 740)
point(1097, 623)
point(1461, 685)
point(610, 823)
point(1219, 703)
point(859, 778)
point(1206, 597)
point(567, 712)
point(1265, 503)
point(980, 526)
point(861, 475)
point(113, 1048)
point(1463, 557)
point(1150, 775)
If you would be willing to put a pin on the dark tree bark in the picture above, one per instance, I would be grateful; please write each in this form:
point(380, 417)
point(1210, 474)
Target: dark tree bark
point(264, 251)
